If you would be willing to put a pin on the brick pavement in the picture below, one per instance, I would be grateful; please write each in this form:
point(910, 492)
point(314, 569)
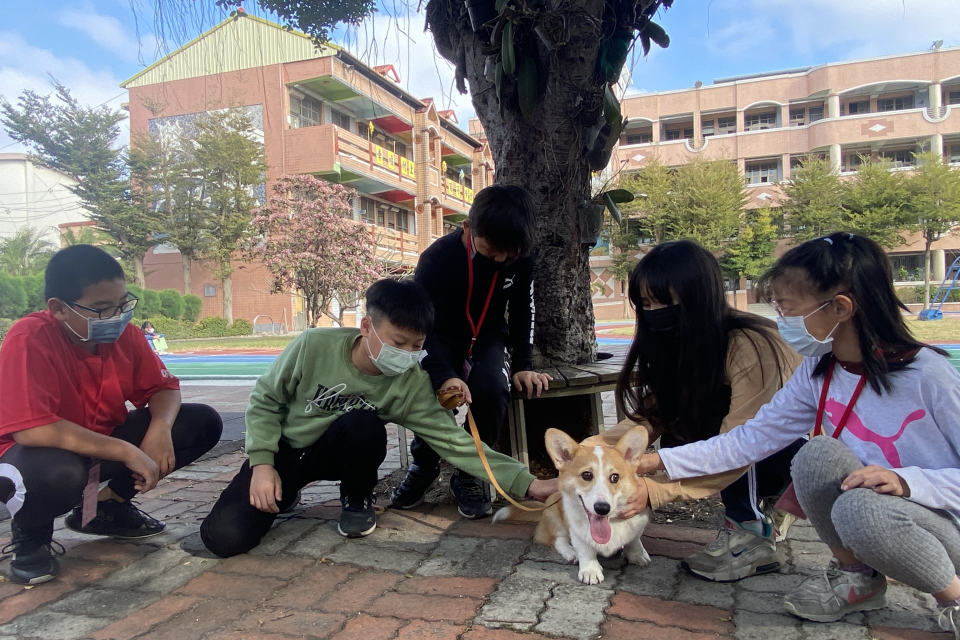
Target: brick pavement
point(423, 574)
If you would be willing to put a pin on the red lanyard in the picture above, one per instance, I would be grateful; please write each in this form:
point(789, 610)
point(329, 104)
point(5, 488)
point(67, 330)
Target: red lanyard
point(823, 401)
point(475, 328)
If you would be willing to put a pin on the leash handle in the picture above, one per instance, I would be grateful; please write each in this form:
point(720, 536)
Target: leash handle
point(453, 398)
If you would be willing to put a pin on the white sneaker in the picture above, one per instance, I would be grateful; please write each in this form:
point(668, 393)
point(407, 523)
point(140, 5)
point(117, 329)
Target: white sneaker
point(829, 596)
point(735, 554)
point(950, 620)
point(780, 518)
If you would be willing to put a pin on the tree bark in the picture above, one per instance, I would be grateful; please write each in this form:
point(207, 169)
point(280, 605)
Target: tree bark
point(545, 156)
point(139, 277)
point(926, 274)
point(185, 261)
point(228, 299)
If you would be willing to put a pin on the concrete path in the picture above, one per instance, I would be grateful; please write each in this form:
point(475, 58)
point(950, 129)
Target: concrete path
point(423, 574)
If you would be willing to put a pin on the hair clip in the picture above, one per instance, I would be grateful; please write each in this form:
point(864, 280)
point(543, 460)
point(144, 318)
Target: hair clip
point(830, 240)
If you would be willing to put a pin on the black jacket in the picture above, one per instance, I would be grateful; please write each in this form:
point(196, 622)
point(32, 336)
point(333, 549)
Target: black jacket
point(442, 270)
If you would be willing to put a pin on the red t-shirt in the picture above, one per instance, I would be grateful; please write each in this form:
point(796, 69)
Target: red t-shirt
point(45, 378)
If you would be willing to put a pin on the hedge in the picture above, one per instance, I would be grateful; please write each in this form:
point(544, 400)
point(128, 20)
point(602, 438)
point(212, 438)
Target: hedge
point(5, 324)
point(914, 295)
point(192, 306)
point(13, 297)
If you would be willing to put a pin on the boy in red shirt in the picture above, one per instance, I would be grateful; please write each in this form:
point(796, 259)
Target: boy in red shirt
point(66, 374)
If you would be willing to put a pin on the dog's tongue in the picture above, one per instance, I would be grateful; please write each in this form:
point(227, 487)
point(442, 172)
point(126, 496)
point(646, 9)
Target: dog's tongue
point(599, 528)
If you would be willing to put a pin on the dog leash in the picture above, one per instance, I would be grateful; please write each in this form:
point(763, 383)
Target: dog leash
point(450, 399)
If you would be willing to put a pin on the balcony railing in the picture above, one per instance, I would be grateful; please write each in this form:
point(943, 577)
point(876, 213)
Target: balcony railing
point(392, 245)
point(460, 192)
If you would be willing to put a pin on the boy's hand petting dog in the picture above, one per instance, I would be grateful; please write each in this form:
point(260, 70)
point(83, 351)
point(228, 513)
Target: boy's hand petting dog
point(543, 489)
point(877, 478)
point(532, 381)
point(265, 489)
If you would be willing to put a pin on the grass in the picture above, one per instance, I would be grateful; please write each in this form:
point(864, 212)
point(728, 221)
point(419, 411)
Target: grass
point(946, 330)
point(216, 344)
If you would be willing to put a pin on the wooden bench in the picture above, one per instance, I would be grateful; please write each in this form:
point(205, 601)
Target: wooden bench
point(590, 379)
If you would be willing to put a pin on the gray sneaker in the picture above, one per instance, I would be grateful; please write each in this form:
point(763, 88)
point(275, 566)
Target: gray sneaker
point(735, 554)
point(780, 518)
point(829, 596)
point(357, 518)
point(950, 620)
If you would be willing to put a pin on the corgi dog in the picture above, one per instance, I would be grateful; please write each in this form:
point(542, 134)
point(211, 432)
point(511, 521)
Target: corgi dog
point(596, 483)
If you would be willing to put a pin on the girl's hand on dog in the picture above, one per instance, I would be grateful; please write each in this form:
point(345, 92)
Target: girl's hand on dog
point(649, 462)
point(877, 478)
point(639, 502)
point(543, 489)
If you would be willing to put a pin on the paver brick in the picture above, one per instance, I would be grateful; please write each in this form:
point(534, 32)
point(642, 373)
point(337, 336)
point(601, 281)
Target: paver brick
point(574, 611)
point(669, 613)
point(276, 567)
point(493, 558)
point(889, 633)
point(317, 542)
point(145, 568)
point(9, 589)
point(670, 548)
point(753, 626)
point(487, 529)
point(208, 615)
point(409, 606)
point(834, 631)
point(426, 630)
point(232, 587)
point(617, 629)
point(30, 599)
point(143, 620)
point(484, 633)
point(446, 559)
point(122, 553)
point(658, 579)
point(455, 586)
point(697, 591)
point(680, 534)
point(177, 576)
point(315, 583)
point(365, 627)
point(103, 603)
point(81, 573)
point(53, 625)
point(771, 583)
point(310, 624)
point(359, 591)
point(284, 533)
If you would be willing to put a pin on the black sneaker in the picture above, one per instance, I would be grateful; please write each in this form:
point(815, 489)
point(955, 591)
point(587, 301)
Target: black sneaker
point(357, 519)
point(473, 501)
point(34, 556)
point(414, 487)
point(117, 520)
point(293, 505)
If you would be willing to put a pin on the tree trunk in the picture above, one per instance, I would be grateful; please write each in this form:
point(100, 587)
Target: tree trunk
point(545, 156)
point(139, 277)
point(227, 285)
point(926, 275)
point(185, 261)
point(626, 299)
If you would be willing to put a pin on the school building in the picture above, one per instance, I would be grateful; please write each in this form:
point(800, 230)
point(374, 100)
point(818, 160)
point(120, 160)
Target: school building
point(323, 112)
point(889, 106)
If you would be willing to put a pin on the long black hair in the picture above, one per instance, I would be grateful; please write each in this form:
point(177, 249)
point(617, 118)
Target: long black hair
point(855, 266)
point(679, 384)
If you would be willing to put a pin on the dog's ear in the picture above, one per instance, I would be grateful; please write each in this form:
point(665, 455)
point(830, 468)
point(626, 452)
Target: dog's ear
point(633, 444)
point(561, 447)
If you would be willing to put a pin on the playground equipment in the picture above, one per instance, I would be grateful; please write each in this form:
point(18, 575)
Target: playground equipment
point(936, 304)
point(264, 324)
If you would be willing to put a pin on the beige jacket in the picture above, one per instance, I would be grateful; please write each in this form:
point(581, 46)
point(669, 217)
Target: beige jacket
point(753, 381)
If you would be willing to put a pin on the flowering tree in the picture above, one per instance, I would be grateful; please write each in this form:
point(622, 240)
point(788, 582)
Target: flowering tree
point(307, 240)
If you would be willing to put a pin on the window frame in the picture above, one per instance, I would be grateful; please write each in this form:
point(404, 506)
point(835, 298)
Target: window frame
point(762, 170)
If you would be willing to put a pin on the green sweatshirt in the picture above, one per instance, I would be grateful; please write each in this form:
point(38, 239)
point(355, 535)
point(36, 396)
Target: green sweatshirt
point(314, 382)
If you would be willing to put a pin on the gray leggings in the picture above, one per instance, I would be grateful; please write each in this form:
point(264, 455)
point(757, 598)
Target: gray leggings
point(906, 541)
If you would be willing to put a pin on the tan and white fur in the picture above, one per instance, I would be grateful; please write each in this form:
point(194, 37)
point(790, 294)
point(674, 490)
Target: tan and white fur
point(596, 483)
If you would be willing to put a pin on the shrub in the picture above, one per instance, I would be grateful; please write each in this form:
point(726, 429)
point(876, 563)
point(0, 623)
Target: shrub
point(13, 298)
point(241, 327)
point(150, 303)
point(914, 295)
point(33, 286)
point(5, 324)
point(171, 304)
point(139, 313)
point(173, 329)
point(192, 306)
point(212, 327)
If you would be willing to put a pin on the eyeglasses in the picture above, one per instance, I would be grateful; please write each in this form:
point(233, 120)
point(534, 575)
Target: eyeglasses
point(783, 312)
point(110, 312)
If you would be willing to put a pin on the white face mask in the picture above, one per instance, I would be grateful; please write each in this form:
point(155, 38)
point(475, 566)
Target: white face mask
point(794, 332)
point(392, 360)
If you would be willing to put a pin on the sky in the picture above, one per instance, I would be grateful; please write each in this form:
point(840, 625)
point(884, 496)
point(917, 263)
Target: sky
point(93, 45)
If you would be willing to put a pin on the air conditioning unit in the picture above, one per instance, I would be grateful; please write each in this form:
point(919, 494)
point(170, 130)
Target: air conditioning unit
point(362, 212)
point(296, 95)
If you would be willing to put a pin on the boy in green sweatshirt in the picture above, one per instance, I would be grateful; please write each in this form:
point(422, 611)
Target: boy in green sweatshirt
point(320, 413)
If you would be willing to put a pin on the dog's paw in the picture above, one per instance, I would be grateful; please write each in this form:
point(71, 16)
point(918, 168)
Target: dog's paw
point(591, 573)
point(639, 556)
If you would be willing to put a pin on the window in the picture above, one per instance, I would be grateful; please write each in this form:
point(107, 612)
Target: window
point(639, 138)
point(673, 135)
point(210, 291)
point(381, 216)
point(798, 117)
point(401, 149)
point(305, 112)
point(816, 113)
point(862, 106)
point(902, 158)
point(340, 119)
point(706, 128)
point(367, 209)
point(363, 130)
point(955, 154)
point(762, 172)
point(895, 104)
point(759, 121)
point(727, 125)
point(402, 220)
point(855, 161)
point(953, 97)
point(688, 133)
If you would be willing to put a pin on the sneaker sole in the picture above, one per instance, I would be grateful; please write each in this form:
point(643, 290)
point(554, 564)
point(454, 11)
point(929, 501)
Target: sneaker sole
point(33, 581)
point(756, 569)
point(359, 535)
point(878, 601)
point(116, 536)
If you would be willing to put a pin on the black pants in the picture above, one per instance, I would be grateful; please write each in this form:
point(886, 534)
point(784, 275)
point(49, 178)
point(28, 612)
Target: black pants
point(350, 450)
point(772, 477)
point(489, 383)
point(54, 478)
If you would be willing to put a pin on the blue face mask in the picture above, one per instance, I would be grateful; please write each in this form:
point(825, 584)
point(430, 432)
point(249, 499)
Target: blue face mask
point(103, 330)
